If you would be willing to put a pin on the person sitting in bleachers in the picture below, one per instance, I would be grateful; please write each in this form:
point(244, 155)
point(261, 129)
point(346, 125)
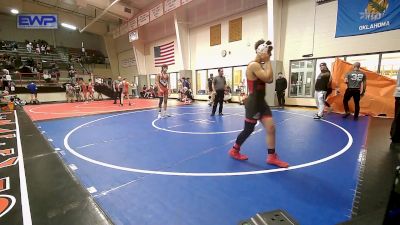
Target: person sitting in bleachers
point(29, 47)
point(187, 96)
point(228, 94)
point(143, 92)
point(43, 49)
point(48, 49)
point(6, 80)
point(71, 73)
point(37, 48)
point(46, 76)
point(5, 102)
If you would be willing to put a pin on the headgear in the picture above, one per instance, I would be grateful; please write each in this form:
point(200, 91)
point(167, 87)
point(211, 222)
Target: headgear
point(264, 47)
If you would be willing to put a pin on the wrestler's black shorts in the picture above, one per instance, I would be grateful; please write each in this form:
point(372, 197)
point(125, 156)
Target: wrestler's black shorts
point(257, 109)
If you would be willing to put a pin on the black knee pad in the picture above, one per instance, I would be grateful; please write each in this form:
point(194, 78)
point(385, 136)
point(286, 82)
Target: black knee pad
point(246, 132)
point(249, 127)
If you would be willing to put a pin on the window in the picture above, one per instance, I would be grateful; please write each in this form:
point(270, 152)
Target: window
point(239, 80)
point(329, 63)
point(152, 79)
point(233, 76)
point(201, 82)
point(304, 72)
point(173, 82)
point(302, 75)
point(369, 62)
point(390, 64)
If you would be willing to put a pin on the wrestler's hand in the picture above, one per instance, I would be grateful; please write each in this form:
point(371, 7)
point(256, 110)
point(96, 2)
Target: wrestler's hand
point(270, 47)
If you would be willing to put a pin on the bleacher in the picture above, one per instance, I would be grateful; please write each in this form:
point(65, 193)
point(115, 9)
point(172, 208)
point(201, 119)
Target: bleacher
point(91, 56)
point(61, 56)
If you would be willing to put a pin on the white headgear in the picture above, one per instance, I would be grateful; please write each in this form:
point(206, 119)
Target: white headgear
point(263, 48)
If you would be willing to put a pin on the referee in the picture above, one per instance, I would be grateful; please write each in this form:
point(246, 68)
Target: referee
point(219, 86)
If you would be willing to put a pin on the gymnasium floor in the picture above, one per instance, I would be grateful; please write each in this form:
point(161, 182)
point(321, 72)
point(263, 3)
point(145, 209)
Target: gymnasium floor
point(143, 170)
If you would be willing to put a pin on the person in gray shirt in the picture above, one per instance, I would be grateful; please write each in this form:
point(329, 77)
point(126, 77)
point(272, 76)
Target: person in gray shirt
point(219, 85)
point(356, 87)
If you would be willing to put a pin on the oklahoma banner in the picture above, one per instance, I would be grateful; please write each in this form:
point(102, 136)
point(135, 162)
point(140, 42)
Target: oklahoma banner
point(356, 17)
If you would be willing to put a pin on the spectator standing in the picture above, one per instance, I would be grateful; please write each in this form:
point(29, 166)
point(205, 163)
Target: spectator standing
point(280, 88)
point(33, 91)
point(322, 85)
point(117, 90)
point(356, 87)
point(219, 86)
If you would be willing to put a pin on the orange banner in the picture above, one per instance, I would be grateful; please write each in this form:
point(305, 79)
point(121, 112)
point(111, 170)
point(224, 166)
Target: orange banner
point(378, 99)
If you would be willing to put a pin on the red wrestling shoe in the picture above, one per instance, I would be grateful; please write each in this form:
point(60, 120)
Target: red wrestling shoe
point(234, 153)
point(274, 160)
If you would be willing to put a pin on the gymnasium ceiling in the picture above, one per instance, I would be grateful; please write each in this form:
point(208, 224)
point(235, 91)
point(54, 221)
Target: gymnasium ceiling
point(193, 14)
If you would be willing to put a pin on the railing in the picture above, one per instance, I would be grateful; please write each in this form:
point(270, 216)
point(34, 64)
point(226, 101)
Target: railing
point(22, 79)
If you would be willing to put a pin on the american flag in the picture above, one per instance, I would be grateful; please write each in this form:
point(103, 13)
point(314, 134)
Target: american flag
point(164, 54)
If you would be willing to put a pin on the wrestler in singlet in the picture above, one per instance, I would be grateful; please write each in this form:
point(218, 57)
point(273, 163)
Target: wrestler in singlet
point(162, 83)
point(256, 106)
point(258, 72)
point(125, 88)
point(90, 87)
point(84, 89)
point(164, 80)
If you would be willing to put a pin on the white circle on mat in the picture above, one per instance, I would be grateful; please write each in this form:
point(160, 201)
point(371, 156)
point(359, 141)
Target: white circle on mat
point(172, 173)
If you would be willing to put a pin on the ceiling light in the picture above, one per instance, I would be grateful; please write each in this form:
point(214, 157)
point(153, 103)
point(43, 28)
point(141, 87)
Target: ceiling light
point(69, 26)
point(14, 11)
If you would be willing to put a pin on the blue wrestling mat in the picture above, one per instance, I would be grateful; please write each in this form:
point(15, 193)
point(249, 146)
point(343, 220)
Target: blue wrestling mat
point(176, 170)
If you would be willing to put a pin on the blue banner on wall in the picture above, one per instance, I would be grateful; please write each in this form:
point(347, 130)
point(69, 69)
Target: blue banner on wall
point(356, 17)
point(37, 21)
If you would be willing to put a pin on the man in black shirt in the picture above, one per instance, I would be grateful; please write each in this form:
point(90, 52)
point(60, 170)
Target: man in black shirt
point(321, 87)
point(280, 87)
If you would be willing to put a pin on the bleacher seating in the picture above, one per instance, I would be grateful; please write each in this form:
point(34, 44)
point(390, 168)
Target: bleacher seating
point(60, 56)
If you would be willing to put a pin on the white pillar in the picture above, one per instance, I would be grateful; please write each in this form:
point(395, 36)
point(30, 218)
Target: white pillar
point(274, 15)
point(182, 39)
point(140, 58)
